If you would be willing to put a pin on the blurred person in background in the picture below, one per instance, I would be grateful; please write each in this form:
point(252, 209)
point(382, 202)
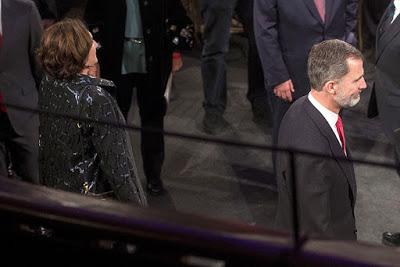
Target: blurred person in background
point(20, 33)
point(81, 156)
point(371, 14)
point(139, 40)
point(217, 17)
point(385, 96)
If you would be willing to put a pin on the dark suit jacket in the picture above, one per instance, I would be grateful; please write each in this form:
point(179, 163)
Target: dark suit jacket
point(19, 71)
point(47, 9)
point(387, 78)
point(157, 17)
point(326, 187)
point(55, 9)
point(286, 30)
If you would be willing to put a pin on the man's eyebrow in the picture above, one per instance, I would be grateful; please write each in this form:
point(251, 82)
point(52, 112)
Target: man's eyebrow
point(359, 78)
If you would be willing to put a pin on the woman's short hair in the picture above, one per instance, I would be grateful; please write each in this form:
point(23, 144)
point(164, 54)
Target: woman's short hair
point(64, 48)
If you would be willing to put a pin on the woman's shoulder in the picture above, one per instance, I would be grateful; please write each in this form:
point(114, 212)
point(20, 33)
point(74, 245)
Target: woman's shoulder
point(100, 81)
point(96, 87)
point(93, 81)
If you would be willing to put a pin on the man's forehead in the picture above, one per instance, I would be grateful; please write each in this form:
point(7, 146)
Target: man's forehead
point(355, 63)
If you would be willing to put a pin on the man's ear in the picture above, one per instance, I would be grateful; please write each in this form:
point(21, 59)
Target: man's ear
point(330, 87)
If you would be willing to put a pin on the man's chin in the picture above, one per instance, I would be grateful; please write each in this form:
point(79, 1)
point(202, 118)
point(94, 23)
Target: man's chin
point(349, 103)
point(355, 101)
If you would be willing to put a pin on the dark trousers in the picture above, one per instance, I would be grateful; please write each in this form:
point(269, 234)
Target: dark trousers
point(217, 17)
point(152, 108)
point(20, 151)
point(255, 77)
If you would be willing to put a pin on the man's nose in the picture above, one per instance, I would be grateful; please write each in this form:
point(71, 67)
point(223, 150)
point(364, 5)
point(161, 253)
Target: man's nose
point(363, 84)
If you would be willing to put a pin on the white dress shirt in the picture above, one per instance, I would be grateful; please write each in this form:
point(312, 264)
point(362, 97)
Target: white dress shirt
point(330, 116)
point(397, 9)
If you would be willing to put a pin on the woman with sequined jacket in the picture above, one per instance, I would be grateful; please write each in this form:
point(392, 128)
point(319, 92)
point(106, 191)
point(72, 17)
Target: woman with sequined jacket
point(88, 154)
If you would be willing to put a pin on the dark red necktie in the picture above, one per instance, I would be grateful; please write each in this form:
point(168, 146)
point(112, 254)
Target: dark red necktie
point(320, 4)
point(339, 127)
point(2, 107)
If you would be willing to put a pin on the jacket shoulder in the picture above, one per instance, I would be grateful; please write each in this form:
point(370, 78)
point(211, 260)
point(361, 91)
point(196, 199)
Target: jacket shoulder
point(94, 90)
point(24, 4)
point(295, 115)
point(299, 130)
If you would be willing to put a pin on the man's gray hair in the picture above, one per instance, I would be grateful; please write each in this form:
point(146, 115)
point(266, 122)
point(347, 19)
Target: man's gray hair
point(327, 61)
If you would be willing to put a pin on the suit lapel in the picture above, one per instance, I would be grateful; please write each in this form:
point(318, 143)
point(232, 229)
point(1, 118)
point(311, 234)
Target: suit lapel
point(329, 11)
point(313, 10)
point(379, 29)
point(384, 38)
point(334, 144)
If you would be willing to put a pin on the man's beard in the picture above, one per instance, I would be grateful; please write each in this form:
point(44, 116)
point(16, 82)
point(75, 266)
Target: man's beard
point(347, 102)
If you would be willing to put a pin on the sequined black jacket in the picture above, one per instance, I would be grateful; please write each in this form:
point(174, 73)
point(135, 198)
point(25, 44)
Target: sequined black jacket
point(84, 156)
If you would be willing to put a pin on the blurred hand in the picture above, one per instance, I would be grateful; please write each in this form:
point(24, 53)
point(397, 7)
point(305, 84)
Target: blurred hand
point(177, 62)
point(285, 91)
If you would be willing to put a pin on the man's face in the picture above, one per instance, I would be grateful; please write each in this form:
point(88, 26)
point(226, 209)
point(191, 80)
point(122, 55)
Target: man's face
point(350, 86)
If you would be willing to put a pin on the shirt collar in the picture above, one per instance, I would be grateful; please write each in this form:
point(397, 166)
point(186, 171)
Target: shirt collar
point(396, 4)
point(330, 116)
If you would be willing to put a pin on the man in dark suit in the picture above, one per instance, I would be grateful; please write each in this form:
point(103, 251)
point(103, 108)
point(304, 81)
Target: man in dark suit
point(326, 186)
point(137, 39)
point(19, 77)
point(387, 84)
point(285, 32)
